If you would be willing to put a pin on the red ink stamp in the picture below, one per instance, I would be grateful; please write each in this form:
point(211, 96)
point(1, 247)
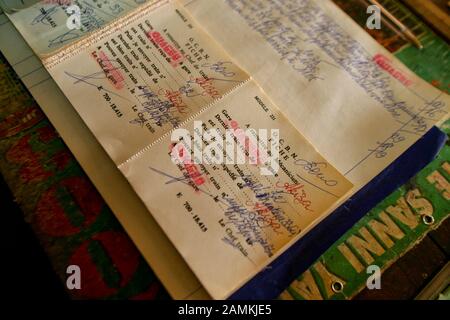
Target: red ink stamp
point(208, 87)
point(112, 73)
point(158, 39)
point(386, 64)
point(298, 192)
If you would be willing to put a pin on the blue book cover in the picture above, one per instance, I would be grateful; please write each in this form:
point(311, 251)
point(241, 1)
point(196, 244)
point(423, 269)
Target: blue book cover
point(275, 278)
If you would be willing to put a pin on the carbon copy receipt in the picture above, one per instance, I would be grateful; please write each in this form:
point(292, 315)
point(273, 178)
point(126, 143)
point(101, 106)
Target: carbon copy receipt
point(227, 216)
point(242, 124)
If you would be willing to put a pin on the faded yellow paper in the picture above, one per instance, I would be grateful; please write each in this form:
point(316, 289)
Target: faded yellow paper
point(353, 100)
point(154, 73)
point(151, 241)
point(162, 67)
point(130, 87)
point(45, 24)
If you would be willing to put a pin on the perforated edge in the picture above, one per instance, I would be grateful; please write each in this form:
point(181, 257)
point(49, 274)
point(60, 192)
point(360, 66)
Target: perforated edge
point(194, 116)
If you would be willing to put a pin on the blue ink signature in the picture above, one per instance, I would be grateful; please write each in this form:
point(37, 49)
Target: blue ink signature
point(245, 221)
point(160, 111)
point(315, 169)
point(262, 192)
point(89, 22)
point(44, 16)
point(220, 67)
point(63, 38)
point(94, 76)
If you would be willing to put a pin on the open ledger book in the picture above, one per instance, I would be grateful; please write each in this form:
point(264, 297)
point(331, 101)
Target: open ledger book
point(344, 109)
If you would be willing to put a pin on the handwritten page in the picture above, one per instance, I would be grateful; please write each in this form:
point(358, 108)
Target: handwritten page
point(131, 87)
point(354, 101)
point(229, 221)
point(338, 99)
point(132, 83)
point(148, 237)
point(44, 24)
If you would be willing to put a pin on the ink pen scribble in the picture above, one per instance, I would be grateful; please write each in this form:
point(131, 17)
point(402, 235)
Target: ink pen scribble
point(94, 76)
